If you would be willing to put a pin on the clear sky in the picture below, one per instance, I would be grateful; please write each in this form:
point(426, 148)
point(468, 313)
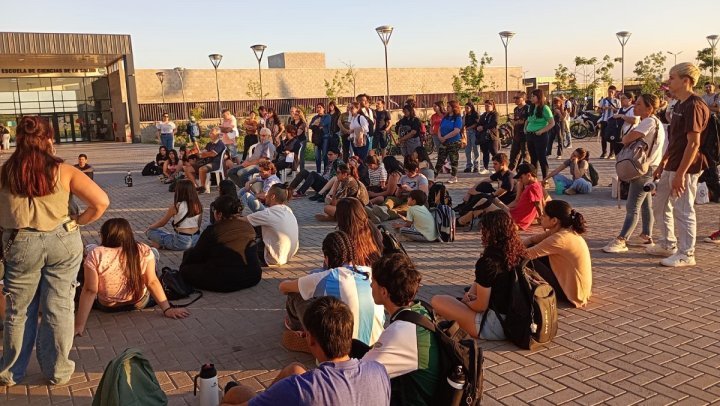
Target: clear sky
point(166, 33)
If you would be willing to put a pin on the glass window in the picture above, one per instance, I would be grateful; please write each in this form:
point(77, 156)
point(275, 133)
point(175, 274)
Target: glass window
point(8, 90)
point(68, 89)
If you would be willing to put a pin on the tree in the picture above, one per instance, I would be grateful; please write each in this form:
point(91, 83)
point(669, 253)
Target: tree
point(351, 76)
point(705, 60)
point(562, 76)
point(606, 65)
point(334, 88)
point(470, 80)
point(650, 72)
point(253, 90)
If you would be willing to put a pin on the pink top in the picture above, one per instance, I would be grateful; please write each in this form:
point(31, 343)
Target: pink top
point(110, 269)
point(525, 211)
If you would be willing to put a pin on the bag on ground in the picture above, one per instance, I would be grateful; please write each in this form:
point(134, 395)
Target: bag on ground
point(438, 194)
point(176, 288)
point(151, 169)
point(129, 380)
point(594, 175)
point(390, 244)
point(703, 194)
point(460, 355)
point(444, 222)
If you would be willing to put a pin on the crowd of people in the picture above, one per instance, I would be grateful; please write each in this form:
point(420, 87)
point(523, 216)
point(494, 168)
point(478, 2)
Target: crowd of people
point(345, 312)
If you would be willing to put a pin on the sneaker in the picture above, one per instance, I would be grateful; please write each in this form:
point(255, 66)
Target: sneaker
point(660, 251)
point(570, 191)
point(640, 241)
point(617, 245)
point(298, 195)
point(611, 156)
point(483, 171)
point(714, 238)
point(559, 157)
point(207, 190)
point(475, 170)
point(603, 156)
point(467, 170)
point(454, 179)
point(678, 260)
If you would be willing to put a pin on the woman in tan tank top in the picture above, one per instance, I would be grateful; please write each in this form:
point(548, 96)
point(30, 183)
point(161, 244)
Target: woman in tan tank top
point(43, 251)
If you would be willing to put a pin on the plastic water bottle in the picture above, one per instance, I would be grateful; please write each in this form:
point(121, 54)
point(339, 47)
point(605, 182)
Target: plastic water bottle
point(207, 383)
point(128, 179)
point(456, 380)
point(559, 188)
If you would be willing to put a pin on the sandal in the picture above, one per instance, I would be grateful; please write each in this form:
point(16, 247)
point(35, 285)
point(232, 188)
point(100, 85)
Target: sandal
point(293, 341)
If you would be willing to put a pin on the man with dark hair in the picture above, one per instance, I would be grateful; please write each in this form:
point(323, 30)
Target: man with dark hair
point(410, 353)
point(338, 379)
point(280, 234)
point(608, 107)
point(364, 101)
point(86, 168)
point(412, 180)
point(419, 223)
point(518, 149)
point(316, 180)
point(504, 189)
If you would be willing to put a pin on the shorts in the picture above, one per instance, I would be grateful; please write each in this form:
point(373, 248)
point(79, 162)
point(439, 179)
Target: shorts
point(493, 329)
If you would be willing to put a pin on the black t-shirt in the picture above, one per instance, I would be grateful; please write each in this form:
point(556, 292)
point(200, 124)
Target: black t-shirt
point(471, 118)
point(382, 118)
point(491, 272)
point(407, 124)
point(505, 181)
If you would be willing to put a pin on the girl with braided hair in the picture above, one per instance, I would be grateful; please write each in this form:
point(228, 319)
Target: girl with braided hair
point(340, 277)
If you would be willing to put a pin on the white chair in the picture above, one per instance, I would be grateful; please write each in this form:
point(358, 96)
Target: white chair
point(251, 150)
point(284, 172)
point(219, 174)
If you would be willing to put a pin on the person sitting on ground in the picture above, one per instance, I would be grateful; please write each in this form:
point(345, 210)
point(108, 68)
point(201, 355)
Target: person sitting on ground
point(255, 190)
point(423, 159)
point(366, 239)
point(264, 150)
point(412, 180)
point(420, 223)
point(377, 175)
point(211, 160)
point(85, 167)
point(395, 171)
point(347, 186)
point(340, 277)
point(528, 205)
point(289, 150)
point(504, 190)
point(316, 180)
point(186, 214)
point(225, 258)
point(172, 166)
point(487, 301)
point(362, 169)
point(579, 165)
point(410, 353)
point(564, 257)
point(120, 275)
point(226, 188)
point(280, 237)
point(161, 157)
point(338, 380)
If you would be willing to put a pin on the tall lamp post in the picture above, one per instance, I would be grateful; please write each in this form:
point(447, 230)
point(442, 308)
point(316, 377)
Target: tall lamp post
point(215, 59)
point(384, 32)
point(505, 38)
point(674, 54)
point(623, 37)
point(259, 50)
point(161, 78)
point(712, 40)
point(180, 71)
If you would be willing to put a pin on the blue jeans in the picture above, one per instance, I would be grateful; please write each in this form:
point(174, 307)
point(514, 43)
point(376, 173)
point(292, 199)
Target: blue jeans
point(40, 271)
point(321, 154)
point(172, 241)
point(581, 186)
point(241, 175)
point(167, 141)
point(250, 201)
point(471, 150)
point(638, 199)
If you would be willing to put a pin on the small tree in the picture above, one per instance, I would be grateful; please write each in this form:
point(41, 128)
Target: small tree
point(705, 60)
point(336, 87)
point(562, 76)
point(351, 76)
point(253, 90)
point(604, 69)
point(650, 72)
point(197, 112)
point(470, 80)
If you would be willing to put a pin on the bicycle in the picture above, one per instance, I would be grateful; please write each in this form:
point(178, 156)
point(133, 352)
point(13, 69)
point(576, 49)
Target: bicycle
point(585, 125)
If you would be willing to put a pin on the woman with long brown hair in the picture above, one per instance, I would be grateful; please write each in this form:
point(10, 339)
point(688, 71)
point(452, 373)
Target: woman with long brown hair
point(119, 275)
point(353, 220)
point(186, 216)
point(537, 128)
point(493, 272)
point(347, 185)
point(42, 251)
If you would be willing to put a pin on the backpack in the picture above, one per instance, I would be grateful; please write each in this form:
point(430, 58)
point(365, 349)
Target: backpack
point(613, 130)
point(390, 244)
point(151, 169)
point(632, 161)
point(176, 288)
point(531, 319)
point(710, 141)
point(438, 195)
point(459, 353)
point(129, 380)
point(594, 175)
point(444, 222)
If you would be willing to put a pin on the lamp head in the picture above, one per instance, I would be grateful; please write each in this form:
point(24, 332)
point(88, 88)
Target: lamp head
point(623, 37)
point(259, 50)
point(712, 39)
point(160, 76)
point(384, 32)
point(215, 59)
point(505, 36)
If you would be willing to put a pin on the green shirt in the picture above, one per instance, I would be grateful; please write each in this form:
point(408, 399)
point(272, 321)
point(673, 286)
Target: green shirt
point(423, 221)
point(535, 124)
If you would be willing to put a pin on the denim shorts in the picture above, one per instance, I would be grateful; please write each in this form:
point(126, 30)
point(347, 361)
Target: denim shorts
point(492, 330)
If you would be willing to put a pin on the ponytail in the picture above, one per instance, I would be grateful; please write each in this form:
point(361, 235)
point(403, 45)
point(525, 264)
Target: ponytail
point(566, 215)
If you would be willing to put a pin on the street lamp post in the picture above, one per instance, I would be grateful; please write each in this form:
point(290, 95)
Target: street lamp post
point(674, 54)
point(259, 50)
point(215, 59)
point(180, 71)
point(505, 38)
point(623, 37)
point(712, 40)
point(384, 32)
point(161, 78)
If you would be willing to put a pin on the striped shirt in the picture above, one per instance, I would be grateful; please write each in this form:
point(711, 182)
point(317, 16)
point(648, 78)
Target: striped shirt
point(377, 175)
point(353, 288)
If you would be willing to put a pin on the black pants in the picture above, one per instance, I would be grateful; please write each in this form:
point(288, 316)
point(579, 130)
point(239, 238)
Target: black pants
point(518, 149)
point(603, 142)
point(542, 266)
point(489, 149)
point(537, 145)
point(230, 277)
point(617, 147)
point(345, 147)
point(249, 141)
point(710, 177)
point(311, 180)
point(555, 135)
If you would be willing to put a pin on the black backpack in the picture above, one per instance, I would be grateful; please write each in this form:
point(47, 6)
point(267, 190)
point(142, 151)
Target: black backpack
point(151, 169)
point(710, 141)
point(460, 354)
point(531, 320)
point(176, 288)
point(594, 175)
point(445, 222)
point(438, 195)
point(390, 244)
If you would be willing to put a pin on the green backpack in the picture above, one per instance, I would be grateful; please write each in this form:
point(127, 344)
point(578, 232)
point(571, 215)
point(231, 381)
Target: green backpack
point(129, 380)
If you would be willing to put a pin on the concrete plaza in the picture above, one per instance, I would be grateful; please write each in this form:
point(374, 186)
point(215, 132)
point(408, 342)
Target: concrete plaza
point(649, 334)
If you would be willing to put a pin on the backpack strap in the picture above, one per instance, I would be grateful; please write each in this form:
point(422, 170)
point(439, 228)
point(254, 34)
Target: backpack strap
point(416, 318)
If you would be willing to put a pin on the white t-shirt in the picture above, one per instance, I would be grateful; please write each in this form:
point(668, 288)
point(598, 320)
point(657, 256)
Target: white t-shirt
point(166, 128)
point(279, 232)
point(627, 126)
point(231, 123)
point(189, 222)
point(647, 128)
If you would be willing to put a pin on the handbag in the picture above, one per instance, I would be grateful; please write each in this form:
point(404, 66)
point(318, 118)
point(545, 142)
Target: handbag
point(632, 160)
point(176, 288)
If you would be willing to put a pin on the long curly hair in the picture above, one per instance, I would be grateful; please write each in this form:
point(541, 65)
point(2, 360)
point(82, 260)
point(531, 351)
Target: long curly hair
point(499, 235)
point(353, 220)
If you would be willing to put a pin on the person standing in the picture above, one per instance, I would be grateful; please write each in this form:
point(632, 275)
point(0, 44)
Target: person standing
point(299, 121)
point(679, 170)
point(450, 137)
point(166, 130)
point(627, 115)
point(470, 123)
point(229, 130)
point(5, 138)
point(556, 133)
point(85, 167)
point(408, 131)
point(35, 188)
point(320, 136)
point(518, 149)
point(608, 106)
point(359, 130)
point(487, 134)
point(193, 131)
point(382, 125)
point(435, 120)
point(537, 128)
point(344, 126)
point(369, 114)
point(710, 175)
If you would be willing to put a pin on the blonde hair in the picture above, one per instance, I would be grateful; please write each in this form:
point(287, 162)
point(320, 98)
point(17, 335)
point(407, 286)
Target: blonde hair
point(687, 70)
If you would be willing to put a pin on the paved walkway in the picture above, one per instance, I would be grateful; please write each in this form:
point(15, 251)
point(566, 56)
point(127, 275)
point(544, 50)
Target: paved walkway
point(649, 335)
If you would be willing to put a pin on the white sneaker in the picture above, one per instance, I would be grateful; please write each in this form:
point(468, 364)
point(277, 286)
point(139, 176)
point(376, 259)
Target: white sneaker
point(453, 179)
point(659, 251)
point(678, 260)
point(483, 171)
point(559, 157)
point(639, 241)
point(617, 245)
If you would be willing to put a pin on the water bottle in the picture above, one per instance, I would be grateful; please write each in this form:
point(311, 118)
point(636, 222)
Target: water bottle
point(128, 179)
point(207, 383)
point(650, 186)
point(559, 188)
point(456, 380)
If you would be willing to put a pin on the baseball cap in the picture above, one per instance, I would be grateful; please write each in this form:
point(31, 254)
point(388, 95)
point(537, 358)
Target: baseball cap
point(523, 169)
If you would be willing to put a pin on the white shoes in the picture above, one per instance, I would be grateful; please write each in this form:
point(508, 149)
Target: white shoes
point(453, 179)
point(678, 260)
point(483, 171)
point(639, 241)
point(617, 245)
point(659, 251)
